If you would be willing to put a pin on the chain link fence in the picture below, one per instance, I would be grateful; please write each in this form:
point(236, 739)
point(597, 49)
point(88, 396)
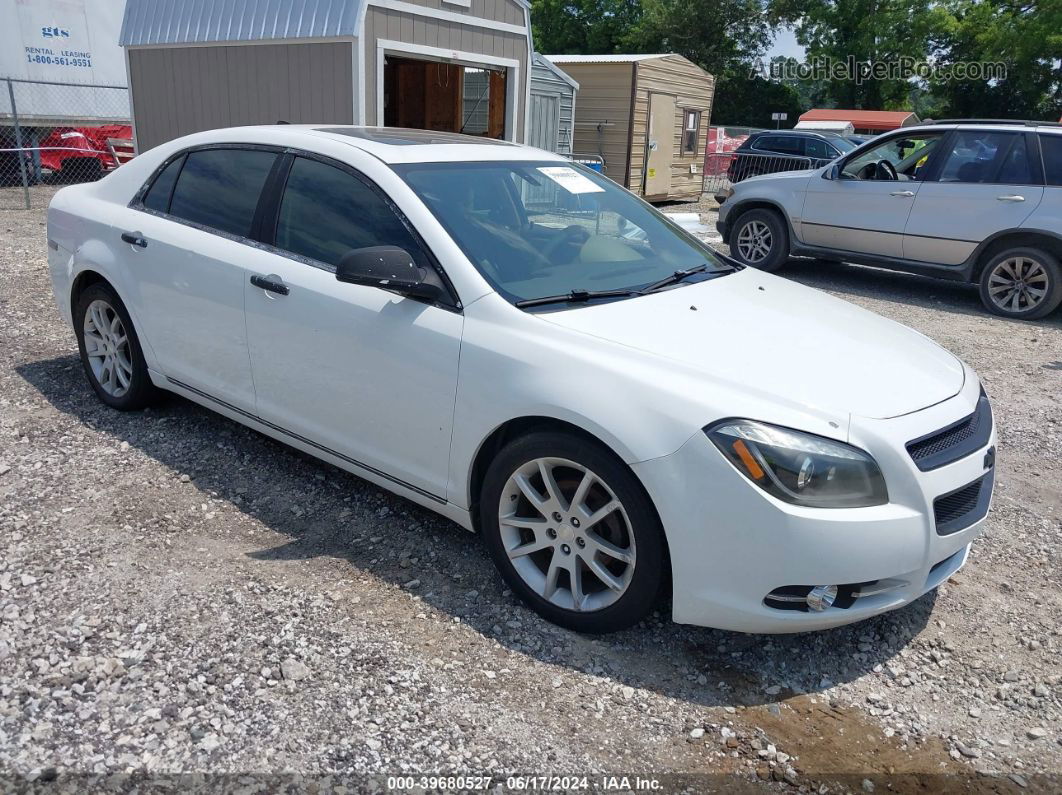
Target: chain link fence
point(723, 169)
point(54, 134)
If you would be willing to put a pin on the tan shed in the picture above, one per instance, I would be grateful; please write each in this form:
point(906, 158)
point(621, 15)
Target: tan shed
point(646, 116)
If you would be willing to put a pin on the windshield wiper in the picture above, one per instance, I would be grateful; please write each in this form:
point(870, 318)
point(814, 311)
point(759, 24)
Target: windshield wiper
point(675, 278)
point(575, 297)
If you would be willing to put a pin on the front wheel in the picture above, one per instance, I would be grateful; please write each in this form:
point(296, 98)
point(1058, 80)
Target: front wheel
point(1022, 283)
point(760, 240)
point(573, 532)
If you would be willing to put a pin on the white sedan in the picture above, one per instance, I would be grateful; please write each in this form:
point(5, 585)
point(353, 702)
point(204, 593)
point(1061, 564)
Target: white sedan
point(526, 348)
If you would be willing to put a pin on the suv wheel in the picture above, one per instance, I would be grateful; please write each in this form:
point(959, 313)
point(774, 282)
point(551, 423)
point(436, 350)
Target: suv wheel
point(573, 532)
point(1022, 283)
point(760, 240)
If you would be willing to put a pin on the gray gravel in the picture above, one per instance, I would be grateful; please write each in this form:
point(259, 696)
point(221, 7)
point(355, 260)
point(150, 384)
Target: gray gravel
point(178, 593)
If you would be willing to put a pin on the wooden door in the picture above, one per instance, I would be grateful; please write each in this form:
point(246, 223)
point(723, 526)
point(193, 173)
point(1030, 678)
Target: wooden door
point(659, 145)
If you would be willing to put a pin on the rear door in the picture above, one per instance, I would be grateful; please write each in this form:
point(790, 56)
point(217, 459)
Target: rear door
point(660, 145)
point(990, 180)
point(861, 213)
point(360, 372)
point(195, 225)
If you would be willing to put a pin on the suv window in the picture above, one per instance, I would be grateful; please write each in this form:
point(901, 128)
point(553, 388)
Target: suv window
point(219, 188)
point(988, 157)
point(908, 155)
point(783, 144)
point(158, 195)
point(814, 147)
point(1052, 150)
point(325, 212)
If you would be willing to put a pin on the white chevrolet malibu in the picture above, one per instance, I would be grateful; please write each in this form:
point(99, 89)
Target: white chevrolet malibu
point(526, 348)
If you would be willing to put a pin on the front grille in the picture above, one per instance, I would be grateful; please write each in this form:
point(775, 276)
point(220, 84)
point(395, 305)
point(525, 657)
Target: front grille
point(961, 508)
point(955, 441)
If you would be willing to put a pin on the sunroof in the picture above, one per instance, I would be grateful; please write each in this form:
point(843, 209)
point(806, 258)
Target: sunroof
point(397, 136)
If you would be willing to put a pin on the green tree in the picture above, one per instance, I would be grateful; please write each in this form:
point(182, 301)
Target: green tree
point(744, 100)
point(1025, 36)
point(867, 32)
point(583, 26)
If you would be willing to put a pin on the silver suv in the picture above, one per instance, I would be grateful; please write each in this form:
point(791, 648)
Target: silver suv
point(973, 201)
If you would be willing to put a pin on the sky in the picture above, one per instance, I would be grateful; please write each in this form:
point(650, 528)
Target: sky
point(785, 43)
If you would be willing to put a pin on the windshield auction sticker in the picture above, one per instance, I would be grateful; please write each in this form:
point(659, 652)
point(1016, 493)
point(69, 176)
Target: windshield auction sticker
point(570, 179)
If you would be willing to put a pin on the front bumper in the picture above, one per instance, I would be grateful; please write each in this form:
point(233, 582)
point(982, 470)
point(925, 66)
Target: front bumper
point(732, 544)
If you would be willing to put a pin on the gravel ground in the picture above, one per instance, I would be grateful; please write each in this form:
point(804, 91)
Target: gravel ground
point(179, 594)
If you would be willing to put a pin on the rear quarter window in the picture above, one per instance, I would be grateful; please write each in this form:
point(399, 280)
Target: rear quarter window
point(158, 195)
point(1051, 145)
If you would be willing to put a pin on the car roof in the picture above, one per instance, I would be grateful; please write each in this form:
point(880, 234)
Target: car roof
point(402, 145)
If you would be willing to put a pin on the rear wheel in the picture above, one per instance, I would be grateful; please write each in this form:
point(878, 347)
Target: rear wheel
point(760, 240)
point(110, 351)
point(573, 532)
point(1022, 283)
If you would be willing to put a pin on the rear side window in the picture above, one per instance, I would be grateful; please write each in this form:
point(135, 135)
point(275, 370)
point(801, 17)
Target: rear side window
point(326, 212)
point(1052, 149)
point(985, 156)
point(783, 144)
point(158, 195)
point(219, 188)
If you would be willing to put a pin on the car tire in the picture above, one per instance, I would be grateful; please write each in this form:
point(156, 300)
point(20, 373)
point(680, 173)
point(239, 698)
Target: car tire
point(563, 552)
point(759, 239)
point(110, 350)
point(1023, 283)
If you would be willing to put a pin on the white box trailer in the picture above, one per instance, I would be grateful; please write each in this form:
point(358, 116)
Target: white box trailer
point(47, 45)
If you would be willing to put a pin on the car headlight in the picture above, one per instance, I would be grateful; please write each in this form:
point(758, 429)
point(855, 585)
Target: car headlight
point(800, 468)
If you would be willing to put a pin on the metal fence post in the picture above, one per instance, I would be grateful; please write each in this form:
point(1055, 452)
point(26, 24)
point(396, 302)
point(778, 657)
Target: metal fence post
point(18, 143)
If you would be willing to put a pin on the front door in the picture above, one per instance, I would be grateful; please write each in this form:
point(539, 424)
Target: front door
point(866, 208)
point(660, 145)
point(545, 121)
point(986, 185)
point(358, 371)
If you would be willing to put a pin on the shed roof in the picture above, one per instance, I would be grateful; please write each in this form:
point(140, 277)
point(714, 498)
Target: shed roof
point(863, 119)
point(148, 22)
point(539, 58)
point(182, 22)
point(603, 58)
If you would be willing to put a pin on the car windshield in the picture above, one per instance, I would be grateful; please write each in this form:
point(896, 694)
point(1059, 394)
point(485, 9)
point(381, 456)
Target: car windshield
point(843, 144)
point(539, 229)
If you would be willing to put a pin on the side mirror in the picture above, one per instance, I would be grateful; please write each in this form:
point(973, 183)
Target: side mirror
point(386, 267)
point(833, 172)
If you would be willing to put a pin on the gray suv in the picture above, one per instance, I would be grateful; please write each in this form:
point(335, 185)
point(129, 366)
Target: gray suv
point(973, 201)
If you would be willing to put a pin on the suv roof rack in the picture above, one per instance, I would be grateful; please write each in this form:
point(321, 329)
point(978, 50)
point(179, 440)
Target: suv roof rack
point(1021, 122)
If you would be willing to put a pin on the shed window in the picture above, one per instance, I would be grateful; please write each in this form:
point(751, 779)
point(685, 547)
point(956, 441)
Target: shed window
point(691, 132)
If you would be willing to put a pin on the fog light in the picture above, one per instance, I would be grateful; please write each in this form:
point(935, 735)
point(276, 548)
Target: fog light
point(821, 597)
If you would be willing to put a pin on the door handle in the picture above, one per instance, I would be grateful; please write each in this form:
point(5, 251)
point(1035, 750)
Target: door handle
point(904, 193)
point(134, 239)
point(271, 285)
point(1012, 198)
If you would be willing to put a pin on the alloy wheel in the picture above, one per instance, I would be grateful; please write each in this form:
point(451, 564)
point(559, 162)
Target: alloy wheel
point(754, 241)
point(107, 348)
point(1018, 284)
point(566, 534)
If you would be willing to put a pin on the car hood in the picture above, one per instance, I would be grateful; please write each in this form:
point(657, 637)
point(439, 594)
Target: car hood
point(757, 332)
point(803, 173)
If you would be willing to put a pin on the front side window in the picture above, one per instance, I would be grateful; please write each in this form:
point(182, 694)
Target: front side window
point(326, 212)
point(1051, 145)
point(691, 131)
point(901, 158)
point(989, 157)
point(537, 229)
point(219, 188)
point(817, 149)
